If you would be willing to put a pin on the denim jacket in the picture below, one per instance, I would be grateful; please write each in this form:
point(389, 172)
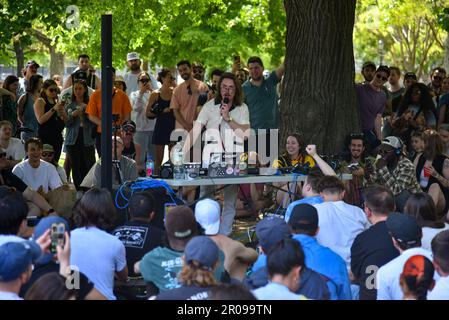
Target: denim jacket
point(73, 126)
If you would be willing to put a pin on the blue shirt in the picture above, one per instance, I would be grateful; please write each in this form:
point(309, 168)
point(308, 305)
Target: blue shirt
point(260, 262)
point(309, 200)
point(323, 260)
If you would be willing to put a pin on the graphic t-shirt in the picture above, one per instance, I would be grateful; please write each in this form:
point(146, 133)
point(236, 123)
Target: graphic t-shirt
point(138, 239)
point(185, 293)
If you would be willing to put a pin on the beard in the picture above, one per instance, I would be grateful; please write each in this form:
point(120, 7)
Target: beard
point(135, 67)
point(185, 76)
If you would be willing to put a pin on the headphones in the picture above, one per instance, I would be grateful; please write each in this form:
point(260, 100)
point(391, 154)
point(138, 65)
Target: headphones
point(398, 150)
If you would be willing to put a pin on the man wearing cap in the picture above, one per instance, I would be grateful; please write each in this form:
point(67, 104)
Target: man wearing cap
point(131, 149)
point(394, 171)
point(368, 71)
point(131, 78)
point(121, 107)
point(128, 169)
point(160, 266)
point(85, 72)
point(409, 79)
point(303, 223)
point(48, 154)
point(406, 236)
point(16, 260)
point(371, 101)
point(199, 262)
point(30, 69)
point(270, 231)
point(373, 248)
point(237, 257)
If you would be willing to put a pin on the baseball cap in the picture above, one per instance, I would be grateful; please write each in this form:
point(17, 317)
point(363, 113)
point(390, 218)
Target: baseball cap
point(415, 266)
point(368, 64)
point(120, 79)
point(32, 62)
point(80, 75)
point(410, 75)
point(180, 223)
point(404, 228)
point(129, 123)
point(304, 216)
point(132, 56)
point(207, 214)
point(16, 257)
point(43, 225)
point(392, 141)
point(270, 231)
point(202, 249)
point(48, 147)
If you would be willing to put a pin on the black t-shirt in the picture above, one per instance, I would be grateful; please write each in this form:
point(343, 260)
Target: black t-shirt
point(185, 293)
point(370, 250)
point(11, 180)
point(85, 285)
point(138, 238)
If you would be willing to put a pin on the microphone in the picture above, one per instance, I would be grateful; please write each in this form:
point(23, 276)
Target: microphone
point(226, 100)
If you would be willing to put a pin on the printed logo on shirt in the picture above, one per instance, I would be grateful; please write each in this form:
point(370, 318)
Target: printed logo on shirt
point(132, 237)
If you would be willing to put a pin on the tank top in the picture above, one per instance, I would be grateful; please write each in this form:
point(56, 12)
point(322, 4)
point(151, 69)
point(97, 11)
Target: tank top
point(53, 126)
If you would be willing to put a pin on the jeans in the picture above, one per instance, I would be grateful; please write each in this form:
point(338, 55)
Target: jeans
point(228, 213)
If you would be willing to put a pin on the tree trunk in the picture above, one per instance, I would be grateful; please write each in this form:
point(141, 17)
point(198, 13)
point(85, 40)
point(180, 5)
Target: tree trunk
point(56, 62)
point(20, 57)
point(446, 53)
point(318, 98)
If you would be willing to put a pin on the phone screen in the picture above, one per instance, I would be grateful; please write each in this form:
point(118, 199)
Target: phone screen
point(57, 232)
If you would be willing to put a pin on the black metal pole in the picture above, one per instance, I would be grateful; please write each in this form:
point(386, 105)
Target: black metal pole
point(106, 101)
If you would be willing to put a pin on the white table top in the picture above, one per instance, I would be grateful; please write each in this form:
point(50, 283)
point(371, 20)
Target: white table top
point(242, 180)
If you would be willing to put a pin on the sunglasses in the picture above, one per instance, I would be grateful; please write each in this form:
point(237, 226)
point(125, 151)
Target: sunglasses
point(381, 77)
point(53, 89)
point(2, 155)
point(130, 130)
point(47, 154)
point(384, 151)
point(189, 90)
point(144, 80)
point(437, 78)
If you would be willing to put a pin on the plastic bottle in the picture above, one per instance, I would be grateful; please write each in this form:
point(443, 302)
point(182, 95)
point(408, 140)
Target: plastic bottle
point(178, 168)
point(149, 166)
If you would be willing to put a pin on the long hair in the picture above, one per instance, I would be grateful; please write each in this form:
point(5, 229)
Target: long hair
point(95, 209)
point(238, 95)
point(45, 86)
point(433, 144)
point(421, 206)
point(9, 81)
point(51, 286)
point(298, 138)
point(33, 83)
point(193, 274)
point(86, 93)
point(425, 101)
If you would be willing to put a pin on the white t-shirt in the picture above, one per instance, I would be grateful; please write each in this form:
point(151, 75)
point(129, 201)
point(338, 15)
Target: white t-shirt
point(9, 296)
point(339, 224)
point(138, 113)
point(132, 84)
point(441, 290)
point(15, 150)
point(387, 277)
point(428, 234)
point(45, 175)
point(218, 133)
point(98, 255)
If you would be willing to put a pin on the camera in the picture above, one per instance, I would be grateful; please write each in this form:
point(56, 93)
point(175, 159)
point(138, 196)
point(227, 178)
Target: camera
point(157, 109)
point(167, 170)
point(353, 166)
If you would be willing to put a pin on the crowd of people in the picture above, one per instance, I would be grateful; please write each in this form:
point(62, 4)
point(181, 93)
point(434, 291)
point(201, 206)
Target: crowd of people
point(382, 234)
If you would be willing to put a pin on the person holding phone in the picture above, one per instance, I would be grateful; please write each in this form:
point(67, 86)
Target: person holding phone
point(51, 116)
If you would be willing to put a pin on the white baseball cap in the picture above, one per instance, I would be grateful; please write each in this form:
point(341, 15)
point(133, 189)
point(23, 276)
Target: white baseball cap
point(132, 56)
point(207, 214)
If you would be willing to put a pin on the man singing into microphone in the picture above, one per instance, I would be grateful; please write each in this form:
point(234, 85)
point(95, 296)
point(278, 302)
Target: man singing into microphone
point(226, 119)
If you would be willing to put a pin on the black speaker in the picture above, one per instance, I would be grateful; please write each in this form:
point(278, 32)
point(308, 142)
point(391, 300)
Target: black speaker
point(166, 171)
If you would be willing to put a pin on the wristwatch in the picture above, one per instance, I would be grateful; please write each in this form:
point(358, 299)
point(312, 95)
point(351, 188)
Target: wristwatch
point(229, 120)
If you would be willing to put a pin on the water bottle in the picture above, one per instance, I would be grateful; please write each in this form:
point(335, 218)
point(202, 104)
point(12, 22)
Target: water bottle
point(178, 168)
point(149, 166)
